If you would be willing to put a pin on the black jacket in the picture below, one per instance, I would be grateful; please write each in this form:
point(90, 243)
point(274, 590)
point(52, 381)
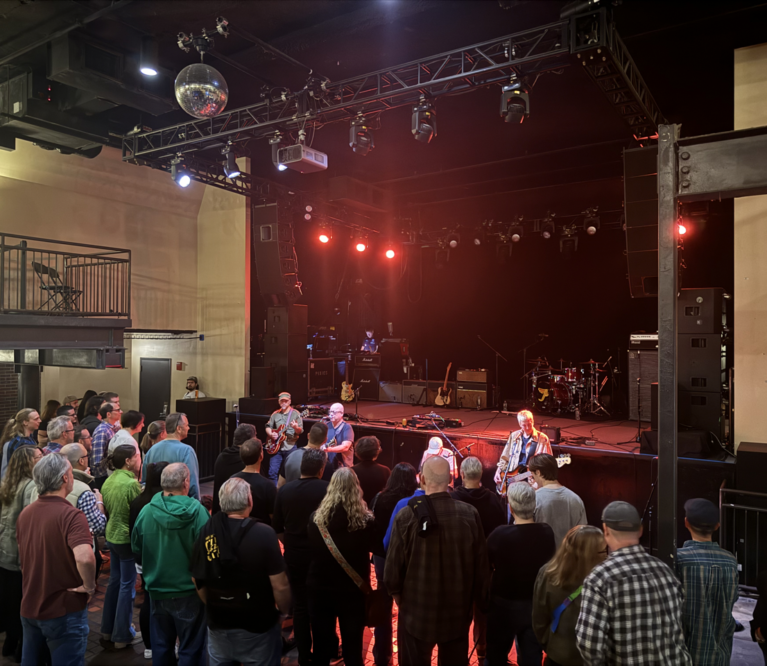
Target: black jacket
point(227, 464)
point(488, 504)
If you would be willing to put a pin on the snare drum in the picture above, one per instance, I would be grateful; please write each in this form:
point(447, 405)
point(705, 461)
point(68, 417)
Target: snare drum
point(571, 375)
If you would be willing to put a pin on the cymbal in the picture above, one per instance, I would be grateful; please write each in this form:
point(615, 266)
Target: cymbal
point(590, 362)
point(538, 360)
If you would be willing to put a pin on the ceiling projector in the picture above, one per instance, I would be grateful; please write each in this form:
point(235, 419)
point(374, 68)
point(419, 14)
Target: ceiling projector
point(302, 159)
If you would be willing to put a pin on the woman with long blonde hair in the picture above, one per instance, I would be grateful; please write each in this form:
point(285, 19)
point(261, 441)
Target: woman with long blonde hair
point(557, 598)
point(340, 539)
point(18, 432)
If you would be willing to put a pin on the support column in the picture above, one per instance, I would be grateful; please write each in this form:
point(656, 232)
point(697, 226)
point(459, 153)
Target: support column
point(667, 380)
point(29, 386)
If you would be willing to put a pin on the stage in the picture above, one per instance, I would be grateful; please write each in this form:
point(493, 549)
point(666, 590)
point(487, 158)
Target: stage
point(606, 462)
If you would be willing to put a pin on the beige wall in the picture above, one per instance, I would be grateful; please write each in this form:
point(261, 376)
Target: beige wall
point(750, 294)
point(107, 202)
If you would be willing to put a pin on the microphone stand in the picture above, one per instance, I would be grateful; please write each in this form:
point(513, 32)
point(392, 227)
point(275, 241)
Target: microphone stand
point(525, 391)
point(447, 439)
point(497, 388)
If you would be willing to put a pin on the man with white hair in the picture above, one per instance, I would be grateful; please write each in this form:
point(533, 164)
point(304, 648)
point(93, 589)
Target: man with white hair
point(521, 446)
point(340, 444)
point(82, 497)
point(236, 557)
point(436, 569)
point(162, 539)
point(61, 431)
point(58, 568)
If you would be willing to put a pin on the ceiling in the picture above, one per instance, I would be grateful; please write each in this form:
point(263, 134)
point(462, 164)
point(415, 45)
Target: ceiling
point(569, 150)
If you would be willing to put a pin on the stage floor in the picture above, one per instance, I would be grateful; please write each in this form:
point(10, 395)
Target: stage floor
point(604, 434)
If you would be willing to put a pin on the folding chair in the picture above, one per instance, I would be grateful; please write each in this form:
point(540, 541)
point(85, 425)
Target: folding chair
point(61, 296)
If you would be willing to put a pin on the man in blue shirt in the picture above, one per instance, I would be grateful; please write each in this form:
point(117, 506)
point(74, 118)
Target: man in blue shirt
point(173, 450)
point(340, 443)
point(709, 576)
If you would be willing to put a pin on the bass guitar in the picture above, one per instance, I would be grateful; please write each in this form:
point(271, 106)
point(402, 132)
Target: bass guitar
point(443, 392)
point(282, 434)
point(522, 474)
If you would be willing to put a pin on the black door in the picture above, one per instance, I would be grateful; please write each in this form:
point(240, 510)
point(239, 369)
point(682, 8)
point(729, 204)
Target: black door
point(154, 389)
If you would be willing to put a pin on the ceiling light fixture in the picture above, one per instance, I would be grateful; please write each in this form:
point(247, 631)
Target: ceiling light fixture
point(148, 60)
point(453, 240)
point(424, 121)
point(276, 143)
point(516, 232)
point(361, 136)
point(231, 170)
point(179, 174)
point(361, 246)
point(591, 221)
point(515, 102)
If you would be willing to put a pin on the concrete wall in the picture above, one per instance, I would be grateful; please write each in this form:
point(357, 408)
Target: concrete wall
point(750, 294)
point(170, 232)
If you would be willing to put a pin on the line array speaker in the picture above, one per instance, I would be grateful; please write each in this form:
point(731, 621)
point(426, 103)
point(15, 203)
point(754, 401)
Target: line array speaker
point(640, 170)
point(274, 254)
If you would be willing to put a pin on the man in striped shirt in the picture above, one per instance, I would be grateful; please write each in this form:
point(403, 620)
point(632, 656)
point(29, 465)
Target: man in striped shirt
point(709, 575)
point(631, 612)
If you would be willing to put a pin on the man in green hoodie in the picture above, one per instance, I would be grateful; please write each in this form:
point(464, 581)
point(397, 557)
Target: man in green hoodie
point(162, 540)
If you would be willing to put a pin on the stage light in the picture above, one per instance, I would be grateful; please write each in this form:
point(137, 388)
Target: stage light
point(682, 229)
point(276, 143)
point(591, 221)
point(516, 232)
point(179, 174)
point(361, 136)
point(548, 230)
point(324, 238)
point(568, 241)
point(148, 61)
point(424, 121)
point(515, 102)
point(390, 254)
point(361, 246)
point(453, 240)
point(231, 170)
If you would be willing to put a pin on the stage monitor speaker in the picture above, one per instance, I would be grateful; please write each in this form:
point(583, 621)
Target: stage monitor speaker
point(471, 395)
point(701, 410)
point(321, 376)
point(203, 410)
point(643, 364)
point(640, 179)
point(702, 311)
point(366, 380)
point(262, 382)
point(390, 392)
point(689, 444)
point(274, 254)
point(701, 362)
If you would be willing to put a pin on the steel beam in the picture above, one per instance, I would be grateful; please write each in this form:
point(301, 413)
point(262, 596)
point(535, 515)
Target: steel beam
point(667, 381)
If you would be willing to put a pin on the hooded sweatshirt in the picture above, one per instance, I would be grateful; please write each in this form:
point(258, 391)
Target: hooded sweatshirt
point(162, 540)
point(487, 503)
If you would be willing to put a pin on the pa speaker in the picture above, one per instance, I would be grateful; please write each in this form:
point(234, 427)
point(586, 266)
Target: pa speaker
point(640, 170)
point(274, 254)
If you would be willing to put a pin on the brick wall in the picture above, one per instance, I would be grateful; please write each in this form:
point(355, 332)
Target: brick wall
point(9, 393)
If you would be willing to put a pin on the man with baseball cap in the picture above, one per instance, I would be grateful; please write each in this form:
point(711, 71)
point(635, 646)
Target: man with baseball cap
point(193, 389)
point(709, 576)
point(285, 420)
point(631, 608)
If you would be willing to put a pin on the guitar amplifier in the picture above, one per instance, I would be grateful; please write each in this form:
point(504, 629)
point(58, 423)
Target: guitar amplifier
point(367, 361)
point(464, 375)
point(390, 392)
point(471, 395)
point(366, 380)
point(412, 390)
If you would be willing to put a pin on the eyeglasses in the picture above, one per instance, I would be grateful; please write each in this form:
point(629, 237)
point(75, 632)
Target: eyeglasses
point(72, 430)
point(85, 439)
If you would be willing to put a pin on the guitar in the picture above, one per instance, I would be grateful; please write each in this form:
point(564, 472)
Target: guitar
point(443, 392)
point(282, 434)
point(347, 392)
point(521, 474)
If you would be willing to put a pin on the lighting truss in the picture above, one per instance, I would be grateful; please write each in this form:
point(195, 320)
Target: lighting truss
point(524, 53)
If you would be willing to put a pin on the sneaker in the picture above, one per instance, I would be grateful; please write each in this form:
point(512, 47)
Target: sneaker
point(135, 641)
point(147, 654)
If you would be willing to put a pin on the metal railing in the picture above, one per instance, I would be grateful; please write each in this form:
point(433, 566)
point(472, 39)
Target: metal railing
point(743, 531)
point(49, 277)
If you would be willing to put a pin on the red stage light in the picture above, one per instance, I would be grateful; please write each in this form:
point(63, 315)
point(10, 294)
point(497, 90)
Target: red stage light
point(390, 254)
point(361, 247)
point(324, 238)
point(682, 229)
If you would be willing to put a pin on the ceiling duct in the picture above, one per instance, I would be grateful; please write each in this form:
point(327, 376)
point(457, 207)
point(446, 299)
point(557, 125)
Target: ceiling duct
point(109, 74)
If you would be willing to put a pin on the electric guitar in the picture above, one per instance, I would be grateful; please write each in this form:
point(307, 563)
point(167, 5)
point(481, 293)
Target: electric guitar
point(521, 474)
point(443, 392)
point(347, 392)
point(282, 434)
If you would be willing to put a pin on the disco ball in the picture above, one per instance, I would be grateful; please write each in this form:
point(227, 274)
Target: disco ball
point(201, 91)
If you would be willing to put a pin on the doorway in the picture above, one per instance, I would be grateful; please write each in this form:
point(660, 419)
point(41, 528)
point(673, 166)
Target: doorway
point(154, 389)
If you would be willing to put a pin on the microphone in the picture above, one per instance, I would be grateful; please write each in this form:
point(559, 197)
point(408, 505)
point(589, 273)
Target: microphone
point(543, 335)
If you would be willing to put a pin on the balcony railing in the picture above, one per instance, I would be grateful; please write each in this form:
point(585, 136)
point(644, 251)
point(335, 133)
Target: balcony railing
point(48, 277)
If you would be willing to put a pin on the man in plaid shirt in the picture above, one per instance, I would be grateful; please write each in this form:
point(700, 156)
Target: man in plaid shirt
point(110, 424)
point(436, 569)
point(709, 575)
point(631, 612)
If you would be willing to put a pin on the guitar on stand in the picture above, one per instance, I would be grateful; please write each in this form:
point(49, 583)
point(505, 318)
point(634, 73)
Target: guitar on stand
point(282, 434)
point(522, 474)
point(347, 392)
point(443, 392)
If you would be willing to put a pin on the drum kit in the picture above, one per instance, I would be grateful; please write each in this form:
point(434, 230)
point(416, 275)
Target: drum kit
point(571, 388)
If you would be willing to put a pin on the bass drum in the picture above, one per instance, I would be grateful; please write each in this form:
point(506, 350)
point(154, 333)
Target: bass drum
point(560, 395)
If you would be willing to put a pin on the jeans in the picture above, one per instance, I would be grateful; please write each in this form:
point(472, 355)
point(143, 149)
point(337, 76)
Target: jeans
point(10, 593)
point(231, 647)
point(302, 630)
point(480, 630)
point(145, 619)
point(382, 650)
point(325, 605)
point(274, 466)
point(415, 652)
point(182, 618)
point(118, 601)
point(66, 637)
point(507, 620)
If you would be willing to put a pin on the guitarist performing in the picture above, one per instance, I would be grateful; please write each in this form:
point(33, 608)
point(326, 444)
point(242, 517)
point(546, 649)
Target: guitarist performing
point(340, 442)
point(286, 424)
point(521, 446)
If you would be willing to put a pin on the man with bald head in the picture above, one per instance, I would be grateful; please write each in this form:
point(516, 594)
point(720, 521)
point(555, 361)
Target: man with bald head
point(436, 568)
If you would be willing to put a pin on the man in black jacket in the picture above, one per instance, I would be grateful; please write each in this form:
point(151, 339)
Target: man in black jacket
point(229, 461)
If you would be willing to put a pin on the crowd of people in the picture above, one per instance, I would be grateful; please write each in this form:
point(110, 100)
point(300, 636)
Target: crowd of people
point(298, 538)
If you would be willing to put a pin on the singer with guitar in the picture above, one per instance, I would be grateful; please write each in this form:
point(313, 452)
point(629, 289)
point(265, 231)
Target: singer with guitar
point(521, 446)
point(285, 421)
point(340, 444)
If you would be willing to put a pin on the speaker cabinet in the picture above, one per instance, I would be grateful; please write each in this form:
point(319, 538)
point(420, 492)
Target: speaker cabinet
point(412, 391)
point(643, 365)
point(471, 396)
point(262, 382)
point(250, 407)
point(286, 352)
point(640, 170)
point(366, 380)
point(701, 362)
point(701, 410)
point(321, 376)
point(288, 320)
point(750, 466)
point(274, 254)
point(702, 311)
point(203, 410)
point(390, 392)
